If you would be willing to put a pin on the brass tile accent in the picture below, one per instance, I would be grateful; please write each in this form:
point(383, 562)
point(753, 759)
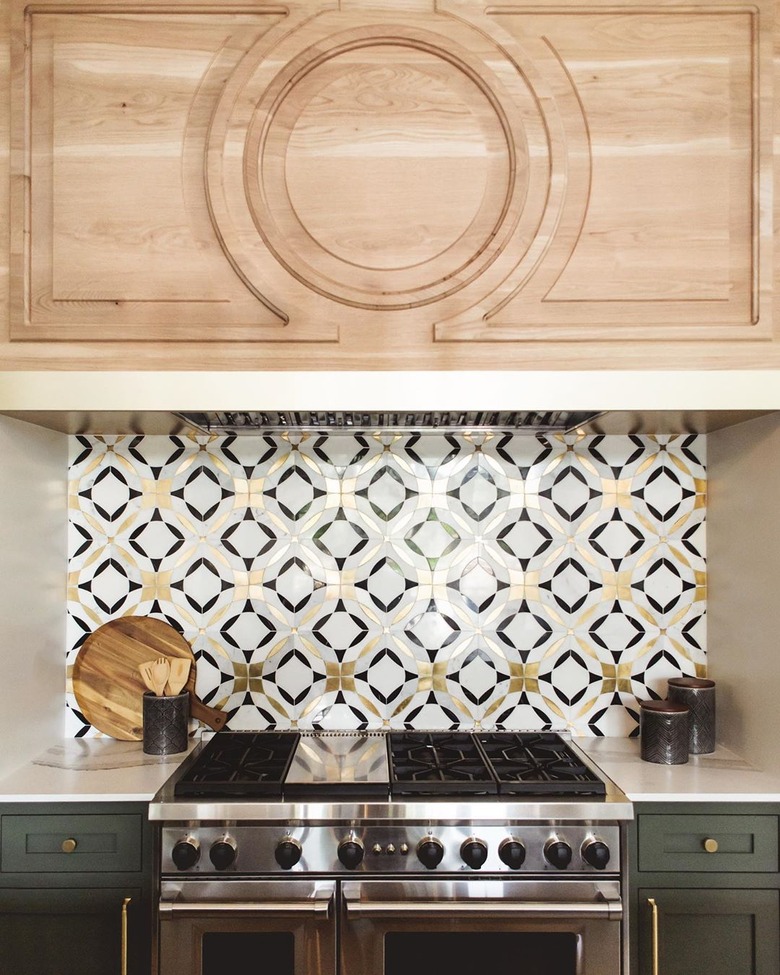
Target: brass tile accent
point(506, 581)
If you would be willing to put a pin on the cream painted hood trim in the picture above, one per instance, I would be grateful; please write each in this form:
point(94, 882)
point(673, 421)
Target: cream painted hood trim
point(547, 390)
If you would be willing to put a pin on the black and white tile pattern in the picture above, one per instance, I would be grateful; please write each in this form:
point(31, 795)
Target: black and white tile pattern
point(402, 581)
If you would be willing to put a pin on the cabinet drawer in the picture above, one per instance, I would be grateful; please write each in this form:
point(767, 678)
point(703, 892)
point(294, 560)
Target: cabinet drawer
point(745, 844)
point(45, 844)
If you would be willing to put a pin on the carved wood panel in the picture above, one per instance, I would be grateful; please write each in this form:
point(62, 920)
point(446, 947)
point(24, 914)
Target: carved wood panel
point(434, 175)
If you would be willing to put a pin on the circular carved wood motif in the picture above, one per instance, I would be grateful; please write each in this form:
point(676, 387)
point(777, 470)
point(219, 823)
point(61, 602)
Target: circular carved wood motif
point(380, 168)
point(383, 174)
point(410, 138)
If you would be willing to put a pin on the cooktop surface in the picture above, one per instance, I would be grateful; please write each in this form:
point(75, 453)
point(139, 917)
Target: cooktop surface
point(408, 764)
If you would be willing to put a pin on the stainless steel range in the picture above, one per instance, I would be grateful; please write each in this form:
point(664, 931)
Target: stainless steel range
point(382, 854)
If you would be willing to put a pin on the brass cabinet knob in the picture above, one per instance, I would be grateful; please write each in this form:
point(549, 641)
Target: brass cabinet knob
point(711, 845)
point(69, 845)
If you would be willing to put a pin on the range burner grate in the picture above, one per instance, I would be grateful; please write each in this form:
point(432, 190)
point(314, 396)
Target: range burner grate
point(240, 764)
point(269, 764)
point(437, 763)
point(541, 764)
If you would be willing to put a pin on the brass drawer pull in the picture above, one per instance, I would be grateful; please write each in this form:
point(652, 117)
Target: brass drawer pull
point(69, 845)
point(125, 902)
point(654, 908)
point(711, 845)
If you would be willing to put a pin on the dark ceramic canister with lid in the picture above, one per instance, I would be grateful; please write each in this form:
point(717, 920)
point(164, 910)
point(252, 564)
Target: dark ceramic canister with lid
point(663, 729)
point(698, 694)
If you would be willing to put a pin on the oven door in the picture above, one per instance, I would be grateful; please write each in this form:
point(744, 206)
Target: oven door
point(213, 927)
point(462, 927)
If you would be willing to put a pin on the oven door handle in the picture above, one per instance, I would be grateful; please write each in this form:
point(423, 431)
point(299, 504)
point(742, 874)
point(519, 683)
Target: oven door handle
point(320, 906)
point(607, 908)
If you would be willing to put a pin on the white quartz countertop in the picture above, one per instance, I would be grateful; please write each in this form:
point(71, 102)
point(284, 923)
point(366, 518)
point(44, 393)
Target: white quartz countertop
point(90, 770)
point(720, 777)
point(102, 769)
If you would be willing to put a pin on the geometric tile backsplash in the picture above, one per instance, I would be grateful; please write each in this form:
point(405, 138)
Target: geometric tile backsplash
point(386, 581)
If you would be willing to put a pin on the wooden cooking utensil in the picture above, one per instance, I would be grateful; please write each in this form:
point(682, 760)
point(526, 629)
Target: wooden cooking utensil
point(145, 670)
point(161, 670)
point(108, 685)
point(180, 671)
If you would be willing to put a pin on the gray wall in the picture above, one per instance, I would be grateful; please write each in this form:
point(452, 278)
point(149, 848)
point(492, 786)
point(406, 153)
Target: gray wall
point(743, 538)
point(33, 533)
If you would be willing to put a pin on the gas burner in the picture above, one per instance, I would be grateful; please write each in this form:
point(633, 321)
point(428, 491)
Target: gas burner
point(528, 763)
point(438, 763)
point(300, 765)
point(240, 764)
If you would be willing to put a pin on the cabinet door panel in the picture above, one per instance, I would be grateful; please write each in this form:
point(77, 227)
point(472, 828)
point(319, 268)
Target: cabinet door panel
point(720, 932)
point(70, 932)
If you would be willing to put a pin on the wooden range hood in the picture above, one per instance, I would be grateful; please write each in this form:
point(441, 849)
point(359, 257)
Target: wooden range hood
point(364, 185)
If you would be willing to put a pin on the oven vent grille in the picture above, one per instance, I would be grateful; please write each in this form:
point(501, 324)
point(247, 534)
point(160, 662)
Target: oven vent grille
point(339, 421)
point(317, 733)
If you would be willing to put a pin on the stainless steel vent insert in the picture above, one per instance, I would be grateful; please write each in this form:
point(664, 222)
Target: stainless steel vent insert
point(353, 421)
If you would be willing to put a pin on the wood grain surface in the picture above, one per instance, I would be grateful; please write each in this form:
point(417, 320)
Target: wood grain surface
point(390, 185)
point(108, 686)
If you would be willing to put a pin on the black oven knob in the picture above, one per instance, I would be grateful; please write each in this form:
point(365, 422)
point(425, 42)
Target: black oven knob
point(596, 853)
point(223, 853)
point(288, 853)
point(512, 853)
point(558, 853)
point(430, 852)
point(185, 853)
point(474, 852)
point(351, 852)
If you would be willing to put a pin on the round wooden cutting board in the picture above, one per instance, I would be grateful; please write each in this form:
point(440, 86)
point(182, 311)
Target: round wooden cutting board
point(106, 681)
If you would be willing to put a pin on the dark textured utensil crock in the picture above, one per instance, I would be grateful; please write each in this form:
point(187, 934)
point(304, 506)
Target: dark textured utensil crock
point(165, 723)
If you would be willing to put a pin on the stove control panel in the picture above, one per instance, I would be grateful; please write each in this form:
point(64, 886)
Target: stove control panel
point(572, 849)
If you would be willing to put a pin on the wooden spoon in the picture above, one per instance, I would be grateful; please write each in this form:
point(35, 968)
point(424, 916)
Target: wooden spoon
point(179, 672)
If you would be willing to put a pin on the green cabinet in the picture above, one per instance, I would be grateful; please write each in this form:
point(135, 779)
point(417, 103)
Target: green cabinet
point(709, 931)
point(704, 893)
point(75, 889)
